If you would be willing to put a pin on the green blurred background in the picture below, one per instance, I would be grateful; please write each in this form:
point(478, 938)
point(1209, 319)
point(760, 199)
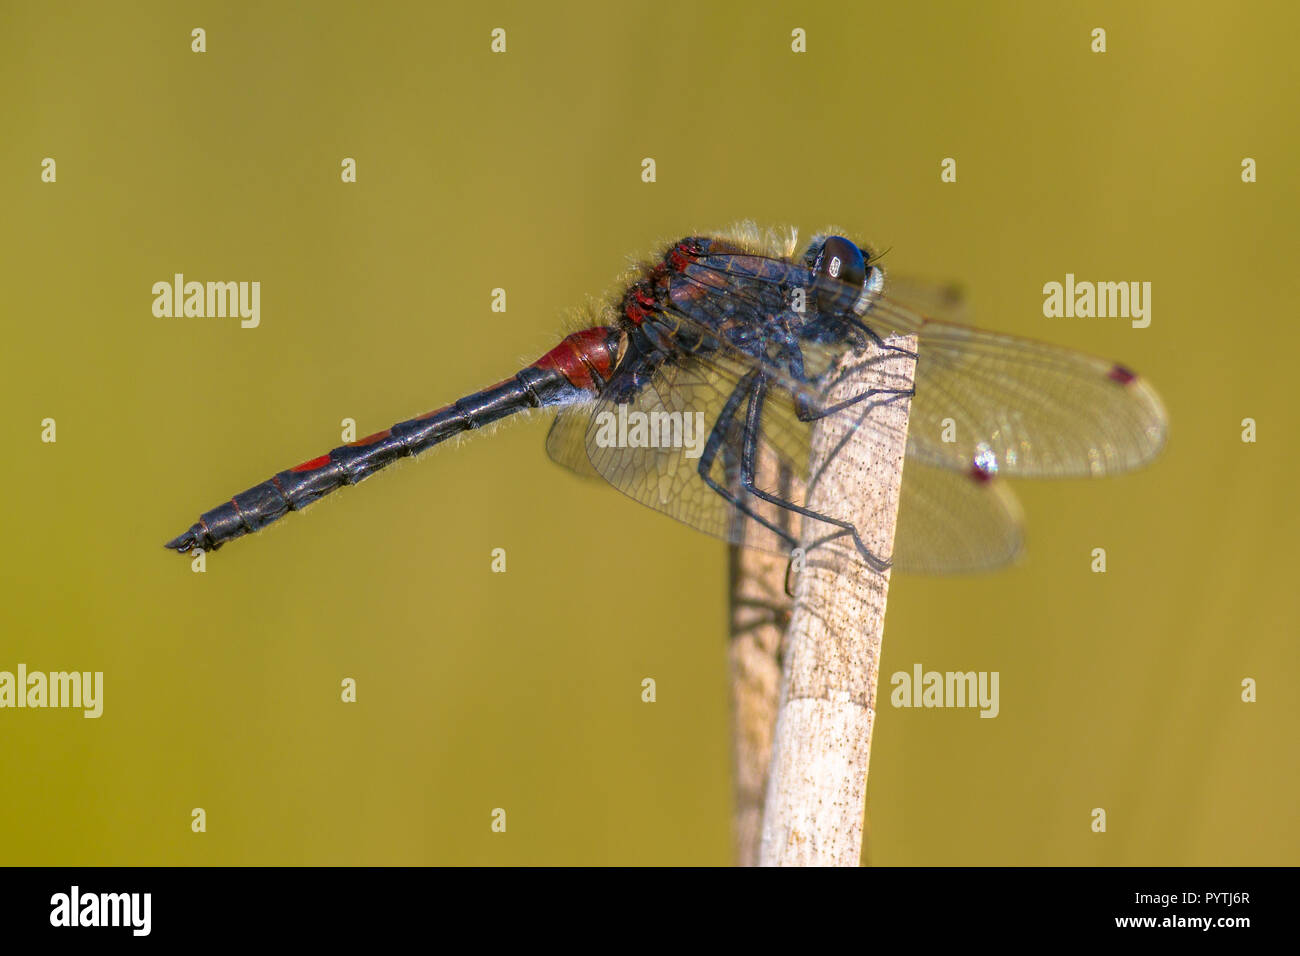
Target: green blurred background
point(522, 690)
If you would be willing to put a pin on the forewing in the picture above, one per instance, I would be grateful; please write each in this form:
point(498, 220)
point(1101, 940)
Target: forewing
point(939, 301)
point(1021, 408)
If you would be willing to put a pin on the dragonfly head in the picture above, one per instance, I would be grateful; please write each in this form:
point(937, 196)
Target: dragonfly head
point(841, 274)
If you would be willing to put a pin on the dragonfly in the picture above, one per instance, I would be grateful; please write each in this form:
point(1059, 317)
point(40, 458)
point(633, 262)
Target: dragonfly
point(727, 344)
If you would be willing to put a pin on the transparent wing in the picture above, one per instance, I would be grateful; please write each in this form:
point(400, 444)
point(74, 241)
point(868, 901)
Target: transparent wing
point(941, 301)
point(566, 442)
point(951, 523)
point(1022, 408)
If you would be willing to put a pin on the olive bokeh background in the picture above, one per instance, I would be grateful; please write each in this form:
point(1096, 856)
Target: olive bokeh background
point(522, 170)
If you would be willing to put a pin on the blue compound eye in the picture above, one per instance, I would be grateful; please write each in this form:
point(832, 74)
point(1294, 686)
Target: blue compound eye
point(840, 272)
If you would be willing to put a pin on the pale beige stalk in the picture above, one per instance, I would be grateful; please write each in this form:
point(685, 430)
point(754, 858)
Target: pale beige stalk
point(760, 612)
point(817, 784)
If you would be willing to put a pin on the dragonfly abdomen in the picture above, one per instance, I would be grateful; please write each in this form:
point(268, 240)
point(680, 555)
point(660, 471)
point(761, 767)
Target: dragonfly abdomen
point(574, 370)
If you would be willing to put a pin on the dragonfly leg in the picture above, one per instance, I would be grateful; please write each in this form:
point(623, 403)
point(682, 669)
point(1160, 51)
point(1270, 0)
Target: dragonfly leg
point(858, 369)
point(878, 342)
point(806, 411)
point(715, 444)
point(758, 395)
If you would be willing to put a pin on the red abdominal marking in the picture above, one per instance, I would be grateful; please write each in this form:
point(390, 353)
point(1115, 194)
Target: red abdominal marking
point(579, 356)
point(1122, 375)
point(312, 465)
